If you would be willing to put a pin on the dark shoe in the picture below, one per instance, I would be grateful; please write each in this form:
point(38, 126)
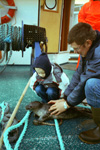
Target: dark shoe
point(91, 136)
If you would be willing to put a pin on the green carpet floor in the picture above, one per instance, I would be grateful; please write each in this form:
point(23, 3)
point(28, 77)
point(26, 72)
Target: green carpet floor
point(12, 83)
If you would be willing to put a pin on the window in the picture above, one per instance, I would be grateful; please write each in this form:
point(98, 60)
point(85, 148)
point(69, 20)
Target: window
point(51, 5)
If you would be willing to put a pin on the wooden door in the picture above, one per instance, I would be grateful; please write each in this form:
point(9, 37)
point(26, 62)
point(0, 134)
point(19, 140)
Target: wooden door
point(52, 21)
point(65, 24)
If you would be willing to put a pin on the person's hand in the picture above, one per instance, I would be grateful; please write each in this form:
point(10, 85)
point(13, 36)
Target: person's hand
point(57, 107)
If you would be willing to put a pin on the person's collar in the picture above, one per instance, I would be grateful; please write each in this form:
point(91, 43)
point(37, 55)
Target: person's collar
point(95, 43)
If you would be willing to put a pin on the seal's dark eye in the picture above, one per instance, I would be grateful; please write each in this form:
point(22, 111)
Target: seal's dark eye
point(30, 106)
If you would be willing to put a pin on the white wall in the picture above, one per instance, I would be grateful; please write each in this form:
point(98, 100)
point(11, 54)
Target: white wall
point(27, 10)
point(60, 58)
point(81, 1)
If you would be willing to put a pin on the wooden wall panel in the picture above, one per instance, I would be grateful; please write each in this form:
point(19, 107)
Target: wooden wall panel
point(51, 21)
point(65, 24)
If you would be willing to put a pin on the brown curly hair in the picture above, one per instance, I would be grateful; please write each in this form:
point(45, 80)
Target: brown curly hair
point(80, 33)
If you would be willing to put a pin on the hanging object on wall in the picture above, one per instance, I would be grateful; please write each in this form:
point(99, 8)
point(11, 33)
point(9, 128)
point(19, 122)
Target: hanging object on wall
point(45, 2)
point(13, 38)
point(10, 13)
point(49, 5)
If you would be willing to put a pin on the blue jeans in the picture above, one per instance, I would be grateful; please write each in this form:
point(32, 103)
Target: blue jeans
point(47, 94)
point(92, 92)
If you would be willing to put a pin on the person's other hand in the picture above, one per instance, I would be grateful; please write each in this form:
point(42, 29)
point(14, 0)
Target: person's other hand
point(57, 106)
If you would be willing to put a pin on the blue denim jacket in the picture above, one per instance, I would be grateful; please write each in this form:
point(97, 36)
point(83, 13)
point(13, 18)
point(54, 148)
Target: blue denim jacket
point(88, 68)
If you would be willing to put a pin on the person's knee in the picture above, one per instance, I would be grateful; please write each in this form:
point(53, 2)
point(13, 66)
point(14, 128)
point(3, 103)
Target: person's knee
point(89, 86)
point(38, 89)
point(92, 92)
point(49, 92)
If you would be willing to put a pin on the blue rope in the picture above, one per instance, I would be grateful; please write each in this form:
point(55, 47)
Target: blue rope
point(3, 105)
point(59, 135)
point(6, 141)
point(8, 39)
point(81, 105)
point(58, 130)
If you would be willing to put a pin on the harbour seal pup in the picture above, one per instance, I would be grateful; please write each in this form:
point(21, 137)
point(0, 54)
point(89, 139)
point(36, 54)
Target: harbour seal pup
point(42, 111)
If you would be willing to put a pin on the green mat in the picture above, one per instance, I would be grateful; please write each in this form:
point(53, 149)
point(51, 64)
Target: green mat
point(12, 83)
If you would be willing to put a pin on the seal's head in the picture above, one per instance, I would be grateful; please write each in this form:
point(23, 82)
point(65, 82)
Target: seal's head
point(33, 105)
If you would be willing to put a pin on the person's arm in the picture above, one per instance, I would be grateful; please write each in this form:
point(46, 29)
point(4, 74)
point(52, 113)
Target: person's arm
point(73, 91)
point(33, 82)
point(63, 84)
point(82, 14)
point(58, 105)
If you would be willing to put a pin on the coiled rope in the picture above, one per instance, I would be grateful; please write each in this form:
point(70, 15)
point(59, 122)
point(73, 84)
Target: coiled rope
point(6, 141)
point(11, 32)
point(3, 106)
point(10, 39)
point(4, 65)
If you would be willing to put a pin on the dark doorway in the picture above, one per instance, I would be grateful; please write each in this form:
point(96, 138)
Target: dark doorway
point(65, 25)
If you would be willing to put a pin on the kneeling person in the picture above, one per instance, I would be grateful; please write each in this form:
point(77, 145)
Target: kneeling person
point(49, 81)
